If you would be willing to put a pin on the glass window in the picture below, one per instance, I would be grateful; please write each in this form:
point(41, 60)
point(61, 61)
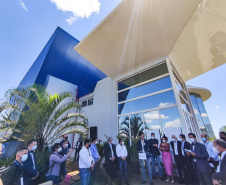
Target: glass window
point(178, 80)
point(143, 76)
point(154, 86)
point(124, 126)
point(158, 100)
point(171, 121)
point(137, 124)
point(84, 103)
point(90, 101)
point(152, 121)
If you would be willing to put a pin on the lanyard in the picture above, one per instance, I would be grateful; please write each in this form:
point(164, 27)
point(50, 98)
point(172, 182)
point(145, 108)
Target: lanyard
point(207, 144)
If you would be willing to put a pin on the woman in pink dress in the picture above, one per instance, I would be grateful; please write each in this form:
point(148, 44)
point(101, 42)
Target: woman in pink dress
point(167, 158)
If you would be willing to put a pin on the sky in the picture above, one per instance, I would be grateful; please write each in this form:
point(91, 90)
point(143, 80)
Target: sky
point(26, 26)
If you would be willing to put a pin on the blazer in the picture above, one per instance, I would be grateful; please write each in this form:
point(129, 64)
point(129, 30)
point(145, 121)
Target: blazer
point(178, 147)
point(79, 146)
point(222, 174)
point(107, 152)
point(146, 146)
point(29, 170)
point(153, 149)
point(201, 156)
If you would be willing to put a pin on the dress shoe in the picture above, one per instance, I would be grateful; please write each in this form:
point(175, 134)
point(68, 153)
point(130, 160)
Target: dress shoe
point(181, 182)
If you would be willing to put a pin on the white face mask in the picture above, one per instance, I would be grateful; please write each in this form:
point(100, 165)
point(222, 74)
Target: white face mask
point(122, 143)
point(152, 137)
point(173, 139)
point(163, 140)
point(59, 149)
point(192, 140)
point(215, 150)
point(66, 145)
point(112, 142)
point(179, 139)
point(101, 142)
point(24, 157)
point(34, 148)
point(96, 142)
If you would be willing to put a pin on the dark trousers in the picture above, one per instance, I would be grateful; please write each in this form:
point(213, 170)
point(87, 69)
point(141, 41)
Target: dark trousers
point(191, 174)
point(122, 167)
point(204, 177)
point(77, 153)
point(181, 168)
point(93, 173)
point(110, 169)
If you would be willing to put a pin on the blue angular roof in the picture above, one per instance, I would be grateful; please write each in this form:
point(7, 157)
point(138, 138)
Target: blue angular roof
point(60, 60)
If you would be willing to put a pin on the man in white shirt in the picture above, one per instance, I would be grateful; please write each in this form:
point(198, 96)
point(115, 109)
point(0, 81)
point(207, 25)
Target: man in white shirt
point(86, 163)
point(213, 156)
point(219, 146)
point(122, 153)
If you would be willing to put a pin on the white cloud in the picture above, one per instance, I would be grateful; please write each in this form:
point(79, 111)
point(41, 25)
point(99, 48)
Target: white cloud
point(77, 8)
point(165, 104)
point(196, 111)
point(217, 107)
point(173, 124)
point(150, 116)
point(155, 127)
point(204, 115)
point(23, 5)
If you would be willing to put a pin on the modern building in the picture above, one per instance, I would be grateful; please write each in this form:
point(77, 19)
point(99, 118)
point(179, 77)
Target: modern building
point(129, 72)
point(198, 95)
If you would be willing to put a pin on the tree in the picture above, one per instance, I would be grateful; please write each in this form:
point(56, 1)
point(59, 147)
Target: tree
point(31, 112)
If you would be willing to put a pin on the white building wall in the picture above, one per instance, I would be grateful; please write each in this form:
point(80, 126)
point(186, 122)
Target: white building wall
point(103, 112)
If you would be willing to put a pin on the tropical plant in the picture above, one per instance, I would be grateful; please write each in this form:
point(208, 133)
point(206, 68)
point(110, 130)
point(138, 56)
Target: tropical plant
point(32, 113)
point(136, 124)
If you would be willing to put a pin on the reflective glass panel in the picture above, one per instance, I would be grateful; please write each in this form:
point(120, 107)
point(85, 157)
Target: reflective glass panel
point(171, 121)
point(124, 126)
point(137, 124)
point(152, 121)
point(158, 100)
point(90, 101)
point(143, 76)
point(158, 85)
point(84, 103)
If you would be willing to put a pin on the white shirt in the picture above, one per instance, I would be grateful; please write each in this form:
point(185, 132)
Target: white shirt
point(85, 158)
point(209, 148)
point(33, 161)
point(222, 156)
point(142, 145)
point(121, 151)
point(175, 148)
point(182, 148)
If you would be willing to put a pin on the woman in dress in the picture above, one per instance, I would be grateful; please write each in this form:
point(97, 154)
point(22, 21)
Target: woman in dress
point(167, 158)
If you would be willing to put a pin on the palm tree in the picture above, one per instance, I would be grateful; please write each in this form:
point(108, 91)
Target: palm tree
point(33, 113)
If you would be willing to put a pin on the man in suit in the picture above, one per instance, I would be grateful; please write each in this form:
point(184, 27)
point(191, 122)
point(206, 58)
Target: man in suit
point(30, 165)
point(143, 147)
point(220, 174)
point(177, 152)
point(192, 177)
point(201, 165)
point(65, 138)
point(110, 156)
point(78, 147)
point(154, 150)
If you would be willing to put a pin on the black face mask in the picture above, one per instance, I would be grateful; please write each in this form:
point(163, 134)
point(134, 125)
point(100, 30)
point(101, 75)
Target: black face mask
point(222, 138)
point(66, 138)
point(90, 145)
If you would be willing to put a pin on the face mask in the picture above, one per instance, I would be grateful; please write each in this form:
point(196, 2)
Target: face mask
point(112, 142)
point(203, 139)
point(24, 157)
point(173, 139)
point(152, 137)
point(101, 143)
point(192, 140)
point(122, 143)
point(66, 138)
point(59, 149)
point(179, 139)
point(163, 140)
point(95, 142)
point(34, 148)
point(222, 138)
point(66, 145)
point(215, 150)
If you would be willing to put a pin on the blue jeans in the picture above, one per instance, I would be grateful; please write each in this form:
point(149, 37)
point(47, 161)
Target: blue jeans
point(153, 158)
point(122, 165)
point(144, 163)
point(53, 178)
point(85, 175)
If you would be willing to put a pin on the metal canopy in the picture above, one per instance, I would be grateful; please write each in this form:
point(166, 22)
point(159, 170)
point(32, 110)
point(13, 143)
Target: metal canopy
point(138, 32)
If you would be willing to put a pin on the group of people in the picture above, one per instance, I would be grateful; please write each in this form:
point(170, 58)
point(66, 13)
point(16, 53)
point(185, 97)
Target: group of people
point(196, 163)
